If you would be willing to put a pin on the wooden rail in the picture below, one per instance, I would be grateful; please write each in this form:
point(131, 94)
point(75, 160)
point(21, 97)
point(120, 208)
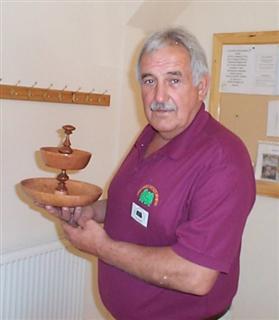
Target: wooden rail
point(16, 92)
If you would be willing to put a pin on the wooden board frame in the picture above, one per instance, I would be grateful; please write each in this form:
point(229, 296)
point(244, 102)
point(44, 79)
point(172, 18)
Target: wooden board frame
point(219, 40)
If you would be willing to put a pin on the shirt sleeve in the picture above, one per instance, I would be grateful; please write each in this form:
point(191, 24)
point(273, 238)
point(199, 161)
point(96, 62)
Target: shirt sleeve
point(221, 201)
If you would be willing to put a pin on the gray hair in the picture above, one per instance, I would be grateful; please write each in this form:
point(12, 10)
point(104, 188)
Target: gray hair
point(183, 38)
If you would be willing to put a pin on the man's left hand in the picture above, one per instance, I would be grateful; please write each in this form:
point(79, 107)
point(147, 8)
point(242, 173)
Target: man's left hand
point(90, 238)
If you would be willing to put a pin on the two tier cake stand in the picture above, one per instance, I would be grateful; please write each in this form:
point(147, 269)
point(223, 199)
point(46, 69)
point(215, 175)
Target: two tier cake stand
point(62, 191)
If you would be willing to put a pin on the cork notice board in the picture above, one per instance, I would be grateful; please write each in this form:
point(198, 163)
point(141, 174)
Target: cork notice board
point(245, 98)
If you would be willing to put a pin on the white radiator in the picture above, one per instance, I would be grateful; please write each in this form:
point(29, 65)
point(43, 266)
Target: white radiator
point(42, 283)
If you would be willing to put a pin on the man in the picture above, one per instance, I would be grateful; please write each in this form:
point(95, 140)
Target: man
point(176, 209)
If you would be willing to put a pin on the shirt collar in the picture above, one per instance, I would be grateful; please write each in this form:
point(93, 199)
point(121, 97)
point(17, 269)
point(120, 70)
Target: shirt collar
point(145, 137)
point(177, 147)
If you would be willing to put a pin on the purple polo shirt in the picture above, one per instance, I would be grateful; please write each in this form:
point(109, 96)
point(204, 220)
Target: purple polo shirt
point(194, 195)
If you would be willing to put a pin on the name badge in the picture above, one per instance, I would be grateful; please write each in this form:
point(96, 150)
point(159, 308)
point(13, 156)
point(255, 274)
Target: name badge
point(139, 214)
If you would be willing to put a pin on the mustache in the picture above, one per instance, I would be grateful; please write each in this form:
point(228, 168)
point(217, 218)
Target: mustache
point(162, 106)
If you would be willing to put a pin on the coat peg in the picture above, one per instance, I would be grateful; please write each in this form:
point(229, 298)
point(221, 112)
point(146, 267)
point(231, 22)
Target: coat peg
point(45, 95)
point(87, 99)
point(102, 94)
point(13, 92)
point(74, 98)
point(30, 90)
point(60, 95)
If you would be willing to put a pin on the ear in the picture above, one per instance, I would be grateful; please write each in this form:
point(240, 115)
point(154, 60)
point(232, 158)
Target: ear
point(203, 87)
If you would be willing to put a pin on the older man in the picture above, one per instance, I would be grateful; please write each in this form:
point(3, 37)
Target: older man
point(177, 207)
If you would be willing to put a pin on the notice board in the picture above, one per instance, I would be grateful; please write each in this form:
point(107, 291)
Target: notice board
point(244, 97)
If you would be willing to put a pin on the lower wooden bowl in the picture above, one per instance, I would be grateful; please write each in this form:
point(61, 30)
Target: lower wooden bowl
point(42, 190)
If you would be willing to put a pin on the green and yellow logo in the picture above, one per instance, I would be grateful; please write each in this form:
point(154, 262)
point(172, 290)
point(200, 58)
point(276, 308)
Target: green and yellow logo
point(148, 195)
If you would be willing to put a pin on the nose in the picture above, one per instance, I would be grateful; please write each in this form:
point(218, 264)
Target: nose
point(161, 92)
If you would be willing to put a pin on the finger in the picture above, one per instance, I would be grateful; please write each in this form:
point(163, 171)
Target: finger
point(66, 213)
point(86, 214)
point(82, 220)
point(66, 227)
point(69, 230)
point(53, 210)
point(77, 213)
point(72, 221)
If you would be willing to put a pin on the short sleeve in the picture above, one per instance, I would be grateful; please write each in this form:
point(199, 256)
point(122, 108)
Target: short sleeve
point(221, 201)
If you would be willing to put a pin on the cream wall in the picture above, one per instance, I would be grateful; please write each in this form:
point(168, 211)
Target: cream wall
point(94, 45)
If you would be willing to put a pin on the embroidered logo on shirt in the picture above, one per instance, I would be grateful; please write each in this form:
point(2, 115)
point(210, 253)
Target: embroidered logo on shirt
point(148, 195)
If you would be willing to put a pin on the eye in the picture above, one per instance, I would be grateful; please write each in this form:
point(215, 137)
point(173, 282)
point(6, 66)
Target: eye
point(174, 81)
point(148, 81)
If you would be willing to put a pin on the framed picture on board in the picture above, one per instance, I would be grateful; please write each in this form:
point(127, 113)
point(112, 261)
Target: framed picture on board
point(267, 166)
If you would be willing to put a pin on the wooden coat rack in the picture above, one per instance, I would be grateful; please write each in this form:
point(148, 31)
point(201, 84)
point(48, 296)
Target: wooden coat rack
point(17, 92)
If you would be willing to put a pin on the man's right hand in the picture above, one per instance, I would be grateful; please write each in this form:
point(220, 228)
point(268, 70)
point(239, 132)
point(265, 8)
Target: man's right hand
point(77, 216)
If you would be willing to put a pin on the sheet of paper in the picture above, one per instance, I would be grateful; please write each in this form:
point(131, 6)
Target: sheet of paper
point(250, 69)
point(236, 70)
point(273, 119)
point(266, 79)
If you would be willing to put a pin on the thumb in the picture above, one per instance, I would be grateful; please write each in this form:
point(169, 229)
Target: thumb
point(68, 229)
point(82, 221)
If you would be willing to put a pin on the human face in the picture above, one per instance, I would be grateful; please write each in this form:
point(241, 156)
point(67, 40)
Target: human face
point(166, 76)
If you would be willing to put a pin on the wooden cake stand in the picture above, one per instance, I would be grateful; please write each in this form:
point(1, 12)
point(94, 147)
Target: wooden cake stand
point(62, 192)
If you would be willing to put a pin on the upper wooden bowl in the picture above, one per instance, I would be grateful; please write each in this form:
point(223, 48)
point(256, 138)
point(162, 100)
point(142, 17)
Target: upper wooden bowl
point(76, 160)
point(42, 190)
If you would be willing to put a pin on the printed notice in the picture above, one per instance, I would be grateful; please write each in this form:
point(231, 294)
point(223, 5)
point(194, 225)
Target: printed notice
point(273, 119)
point(250, 69)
